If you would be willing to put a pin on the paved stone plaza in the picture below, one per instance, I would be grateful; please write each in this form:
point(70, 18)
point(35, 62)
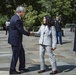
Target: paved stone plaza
point(66, 60)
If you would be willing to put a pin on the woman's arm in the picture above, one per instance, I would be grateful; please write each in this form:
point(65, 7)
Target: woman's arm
point(54, 39)
point(38, 32)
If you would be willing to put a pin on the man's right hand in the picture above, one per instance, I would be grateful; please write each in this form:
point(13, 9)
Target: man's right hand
point(31, 33)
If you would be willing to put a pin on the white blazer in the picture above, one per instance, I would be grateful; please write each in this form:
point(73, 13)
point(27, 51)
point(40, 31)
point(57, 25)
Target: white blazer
point(47, 36)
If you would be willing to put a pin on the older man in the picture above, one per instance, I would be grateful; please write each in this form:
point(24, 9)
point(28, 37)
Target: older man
point(16, 32)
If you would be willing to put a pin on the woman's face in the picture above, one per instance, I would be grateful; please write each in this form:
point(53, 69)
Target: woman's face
point(44, 20)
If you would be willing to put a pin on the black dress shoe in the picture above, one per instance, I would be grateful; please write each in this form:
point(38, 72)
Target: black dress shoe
point(23, 70)
point(54, 72)
point(41, 71)
point(15, 72)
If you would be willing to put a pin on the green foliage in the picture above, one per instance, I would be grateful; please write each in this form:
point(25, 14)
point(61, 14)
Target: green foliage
point(30, 17)
point(63, 8)
point(36, 9)
point(46, 5)
point(3, 19)
point(41, 15)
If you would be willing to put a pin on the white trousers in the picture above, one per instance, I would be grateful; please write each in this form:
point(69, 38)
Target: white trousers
point(51, 57)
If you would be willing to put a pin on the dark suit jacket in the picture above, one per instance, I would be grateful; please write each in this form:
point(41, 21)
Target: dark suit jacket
point(16, 31)
point(58, 25)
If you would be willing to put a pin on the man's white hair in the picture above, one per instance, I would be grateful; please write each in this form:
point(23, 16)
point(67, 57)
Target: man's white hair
point(20, 9)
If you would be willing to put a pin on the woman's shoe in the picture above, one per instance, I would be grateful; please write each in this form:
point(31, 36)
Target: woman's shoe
point(41, 71)
point(54, 72)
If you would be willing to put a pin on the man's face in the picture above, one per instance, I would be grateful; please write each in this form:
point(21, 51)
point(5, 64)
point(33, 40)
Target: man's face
point(22, 14)
point(57, 18)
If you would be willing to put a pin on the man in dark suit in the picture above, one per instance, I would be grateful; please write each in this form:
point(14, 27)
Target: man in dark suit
point(16, 32)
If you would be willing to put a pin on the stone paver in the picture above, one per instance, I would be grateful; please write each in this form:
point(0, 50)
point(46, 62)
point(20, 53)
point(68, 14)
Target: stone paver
point(66, 60)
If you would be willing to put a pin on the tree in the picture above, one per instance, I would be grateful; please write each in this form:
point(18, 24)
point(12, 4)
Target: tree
point(30, 17)
point(64, 8)
point(3, 19)
point(61, 7)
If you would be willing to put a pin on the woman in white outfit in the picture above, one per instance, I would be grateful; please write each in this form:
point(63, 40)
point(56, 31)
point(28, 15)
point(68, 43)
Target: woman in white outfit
point(47, 42)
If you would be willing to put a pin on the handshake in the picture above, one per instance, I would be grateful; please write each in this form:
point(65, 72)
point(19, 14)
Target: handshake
point(32, 33)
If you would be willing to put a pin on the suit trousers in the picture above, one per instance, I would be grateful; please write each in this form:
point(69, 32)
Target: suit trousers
point(44, 48)
point(18, 53)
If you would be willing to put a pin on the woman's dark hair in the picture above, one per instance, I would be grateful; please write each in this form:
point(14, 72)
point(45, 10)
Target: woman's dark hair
point(49, 21)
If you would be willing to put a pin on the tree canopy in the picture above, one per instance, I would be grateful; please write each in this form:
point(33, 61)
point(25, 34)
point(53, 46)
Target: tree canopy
point(36, 9)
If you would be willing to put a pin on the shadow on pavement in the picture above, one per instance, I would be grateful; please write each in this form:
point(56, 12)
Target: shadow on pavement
point(67, 42)
point(37, 67)
point(63, 68)
point(66, 68)
point(34, 68)
point(4, 69)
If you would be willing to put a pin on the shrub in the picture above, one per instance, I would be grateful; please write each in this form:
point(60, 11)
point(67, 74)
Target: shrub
point(30, 17)
point(3, 18)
